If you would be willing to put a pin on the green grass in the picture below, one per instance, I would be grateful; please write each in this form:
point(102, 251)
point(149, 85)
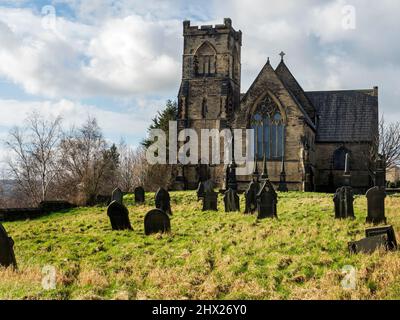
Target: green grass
point(207, 255)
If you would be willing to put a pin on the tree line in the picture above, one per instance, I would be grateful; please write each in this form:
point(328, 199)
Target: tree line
point(47, 162)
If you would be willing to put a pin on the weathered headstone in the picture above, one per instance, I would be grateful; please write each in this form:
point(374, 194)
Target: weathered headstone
point(251, 197)
point(380, 172)
point(376, 205)
point(117, 195)
point(385, 230)
point(200, 191)
point(210, 201)
point(163, 201)
point(208, 185)
point(119, 216)
point(368, 245)
point(266, 201)
point(139, 194)
point(7, 257)
point(231, 201)
point(343, 201)
point(156, 221)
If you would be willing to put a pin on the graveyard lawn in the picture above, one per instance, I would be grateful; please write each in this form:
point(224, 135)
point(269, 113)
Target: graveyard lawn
point(207, 255)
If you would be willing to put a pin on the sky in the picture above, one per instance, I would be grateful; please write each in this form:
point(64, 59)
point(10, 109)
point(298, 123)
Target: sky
point(120, 60)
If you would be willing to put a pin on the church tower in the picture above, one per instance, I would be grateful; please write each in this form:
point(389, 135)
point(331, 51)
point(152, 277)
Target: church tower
point(209, 93)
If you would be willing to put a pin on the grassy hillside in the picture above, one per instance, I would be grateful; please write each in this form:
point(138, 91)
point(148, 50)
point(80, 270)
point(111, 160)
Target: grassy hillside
point(208, 255)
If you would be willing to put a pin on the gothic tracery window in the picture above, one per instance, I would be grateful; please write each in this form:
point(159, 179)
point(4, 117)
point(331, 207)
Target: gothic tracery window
point(205, 60)
point(268, 126)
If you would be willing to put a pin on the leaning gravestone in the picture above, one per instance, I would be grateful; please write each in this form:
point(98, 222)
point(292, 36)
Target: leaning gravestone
point(163, 201)
point(385, 230)
point(376, 205)
point(7, 257)
point(343, 201)
point(117, 195)
point(231, 201)
point(139, 195)
point(266, 201)
point(156, 221)
point(119, 216)
point(251, 197)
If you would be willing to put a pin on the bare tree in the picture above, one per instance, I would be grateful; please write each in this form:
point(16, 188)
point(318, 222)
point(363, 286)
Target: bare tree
point(87, 161)
point(34, 162)
point(385, 143)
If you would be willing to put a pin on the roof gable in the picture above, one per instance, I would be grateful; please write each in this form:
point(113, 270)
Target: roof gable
point(284, 74)
point(268, 80)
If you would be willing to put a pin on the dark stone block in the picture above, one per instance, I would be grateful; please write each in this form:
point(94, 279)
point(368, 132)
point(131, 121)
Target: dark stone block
point(119, 216)
point(267, 200)
point(117, 195)
point(156, 221)
point(368, 245)
point(385, 230)
point(376, 205)
point(251, 197)
point(139, 195)
point(343, 201)
point(7, 257)
point(163, 201)
point(200, 191)
point(210, 201)
point(231, 201)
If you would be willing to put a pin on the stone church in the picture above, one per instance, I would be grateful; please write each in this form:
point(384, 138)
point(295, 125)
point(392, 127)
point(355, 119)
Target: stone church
point(304, 134)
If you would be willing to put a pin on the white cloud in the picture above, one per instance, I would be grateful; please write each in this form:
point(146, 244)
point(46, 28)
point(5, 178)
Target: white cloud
point(121, 57)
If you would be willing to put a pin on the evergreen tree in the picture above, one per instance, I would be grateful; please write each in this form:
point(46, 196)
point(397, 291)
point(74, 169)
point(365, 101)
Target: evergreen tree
point(161, 120)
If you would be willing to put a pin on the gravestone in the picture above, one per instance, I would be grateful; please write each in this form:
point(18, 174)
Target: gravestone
point(343, 201)
point(231, 181)
point(208, 185)
point(266, 201)
point(7, 257)
point(119, 216)
point(251, 197)
point(200, 191)
point(155, 221)
point(210, 201)
point(163, 201)
point(139, 195)
point(368, 245)
point(385, 230)
point(376, 205)
point(231, 201)
point(117, 195)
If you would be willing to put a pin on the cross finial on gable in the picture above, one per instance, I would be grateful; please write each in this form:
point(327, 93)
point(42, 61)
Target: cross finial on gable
point(282, 54)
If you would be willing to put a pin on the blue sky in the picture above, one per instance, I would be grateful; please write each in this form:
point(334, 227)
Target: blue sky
point(119, 60)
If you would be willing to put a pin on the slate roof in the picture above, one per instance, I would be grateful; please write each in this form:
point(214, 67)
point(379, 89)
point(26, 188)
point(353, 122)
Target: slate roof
point(346, 115)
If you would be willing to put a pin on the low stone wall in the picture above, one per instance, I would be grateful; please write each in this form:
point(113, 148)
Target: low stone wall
point(45, 207)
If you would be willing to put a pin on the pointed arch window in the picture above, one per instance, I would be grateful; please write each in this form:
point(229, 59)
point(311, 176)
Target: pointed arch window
point(269, 130)
point(205, 60)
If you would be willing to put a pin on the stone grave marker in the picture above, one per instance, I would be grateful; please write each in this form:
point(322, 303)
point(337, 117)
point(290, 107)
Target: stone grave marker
point(376, 205)
point(117, 195)
point(163, 201)
point(119, 216)
point(266, 201)
point(156, 221)
point(231, 201)
point(251, 197)
point(210, 201)
point(200, 191)
point(386, 230)
point(7, 257)
point(343, 201)
point(368, 245)
point(139, 195)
